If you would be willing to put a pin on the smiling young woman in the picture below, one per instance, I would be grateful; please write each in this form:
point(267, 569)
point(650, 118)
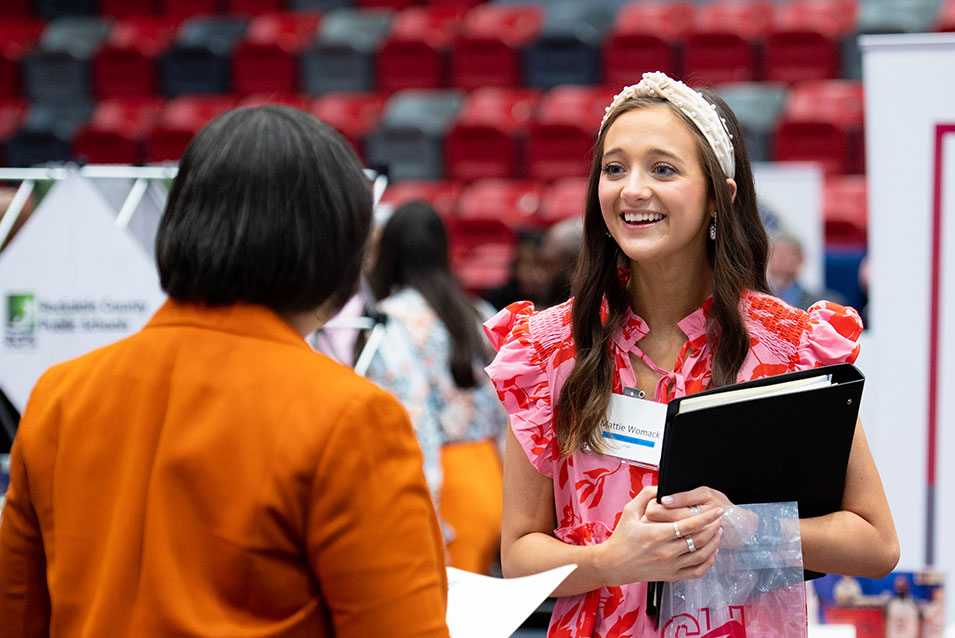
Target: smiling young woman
point(670, 298)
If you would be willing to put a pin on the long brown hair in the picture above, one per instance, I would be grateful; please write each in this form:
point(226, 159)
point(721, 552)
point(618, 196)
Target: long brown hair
point(737, 256)
point(413, 252)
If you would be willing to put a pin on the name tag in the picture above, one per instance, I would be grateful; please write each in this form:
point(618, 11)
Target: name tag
point(633, 430)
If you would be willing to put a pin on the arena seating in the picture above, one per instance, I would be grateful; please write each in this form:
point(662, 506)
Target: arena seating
point(505, 95)
point(488, 137)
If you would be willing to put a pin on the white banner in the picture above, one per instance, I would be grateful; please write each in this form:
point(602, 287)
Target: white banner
point(792, 192)
point(910, 391)
point(70, 282)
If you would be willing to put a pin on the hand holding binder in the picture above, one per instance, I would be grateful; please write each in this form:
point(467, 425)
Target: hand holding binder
point(781, 438)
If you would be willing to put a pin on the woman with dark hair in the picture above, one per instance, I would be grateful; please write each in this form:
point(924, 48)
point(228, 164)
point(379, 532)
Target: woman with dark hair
point(431, 359)
point(669, 298)
point(212, 475)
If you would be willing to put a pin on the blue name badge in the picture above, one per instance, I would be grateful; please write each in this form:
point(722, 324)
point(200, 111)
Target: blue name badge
point(633, 430)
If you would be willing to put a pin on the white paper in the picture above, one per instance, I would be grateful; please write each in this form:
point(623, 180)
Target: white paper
point(487, 607)
point(691, 404)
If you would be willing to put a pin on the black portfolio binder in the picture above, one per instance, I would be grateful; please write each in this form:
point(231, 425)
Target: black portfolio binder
point(765, 449)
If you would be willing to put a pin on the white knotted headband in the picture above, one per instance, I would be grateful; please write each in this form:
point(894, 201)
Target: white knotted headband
point(692, 103)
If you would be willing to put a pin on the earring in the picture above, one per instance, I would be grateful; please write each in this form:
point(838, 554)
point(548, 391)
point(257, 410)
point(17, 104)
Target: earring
point(607, 232)
point(713, 227)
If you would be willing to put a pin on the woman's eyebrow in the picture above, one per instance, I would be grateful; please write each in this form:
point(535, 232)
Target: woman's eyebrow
point(652, 151)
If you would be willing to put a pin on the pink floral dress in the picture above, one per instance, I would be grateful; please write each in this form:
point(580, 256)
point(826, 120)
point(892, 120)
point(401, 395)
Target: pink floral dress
point(535, 356)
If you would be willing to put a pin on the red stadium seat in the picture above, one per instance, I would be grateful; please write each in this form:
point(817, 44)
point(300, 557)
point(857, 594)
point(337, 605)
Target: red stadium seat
point(15, 9)
point(386, 4)
point(805, 41)
point(823, 122)
point(117, 129)
point(563, 199)
point(354, 115)
point(482, 251)
point(253, 7)
point(488, 137)
point(179, 121)
point(266, 60)
point(126, 8)
point(486, 51)
point(126, 64)
point(561, 135)
point(12, 113)
point(17, 37)
point(442, 195)
point(294, 100)
point(460, 4)
point(946, 17)
point(845, 210)
point(646, 36)
point(722, 45)
point(412, 55)
point(514, 202)
point(182, 9)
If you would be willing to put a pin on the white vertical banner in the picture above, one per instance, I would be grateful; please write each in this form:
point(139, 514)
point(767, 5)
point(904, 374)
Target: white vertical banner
point(910, 156)
point(792, 191)
point(70, 282)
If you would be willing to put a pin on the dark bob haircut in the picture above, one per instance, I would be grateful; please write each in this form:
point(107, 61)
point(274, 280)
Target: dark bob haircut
point(270, 207)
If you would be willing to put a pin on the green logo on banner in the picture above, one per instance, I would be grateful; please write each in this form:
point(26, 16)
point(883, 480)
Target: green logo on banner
point(21, 321)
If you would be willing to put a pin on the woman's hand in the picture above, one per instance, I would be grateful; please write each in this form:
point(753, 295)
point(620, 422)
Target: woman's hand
point(677, 508)
point(642, 550)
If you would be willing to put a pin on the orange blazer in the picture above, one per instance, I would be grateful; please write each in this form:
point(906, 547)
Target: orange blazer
point(213, 476)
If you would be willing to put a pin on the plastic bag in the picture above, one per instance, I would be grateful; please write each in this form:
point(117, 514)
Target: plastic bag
point(754, 590)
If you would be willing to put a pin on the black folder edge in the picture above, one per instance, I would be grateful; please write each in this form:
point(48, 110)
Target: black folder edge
point(841, 373)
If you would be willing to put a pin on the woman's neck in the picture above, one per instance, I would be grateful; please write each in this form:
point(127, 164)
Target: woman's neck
point(664, 295)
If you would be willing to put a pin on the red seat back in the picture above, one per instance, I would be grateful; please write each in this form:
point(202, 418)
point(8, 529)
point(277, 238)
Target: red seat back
point(412, 56)
point(182, 9)
point(564, 199)
point(721, 46)
point(266, 59)
point(514, 202)
point(126, 8)
point(805, 39)
point(486, 51)
point(845, 210)
point(126, 64)
point(179, 121)
point(17, 37)
point(488, 137)
point(354, 115)
point(252, 7)
point(562, 134)
point(646, 36)
point(117, 129)
point(443, 196)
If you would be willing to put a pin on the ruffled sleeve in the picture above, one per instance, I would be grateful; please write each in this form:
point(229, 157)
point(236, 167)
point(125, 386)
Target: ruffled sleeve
point(832, 336)
point(519, 375)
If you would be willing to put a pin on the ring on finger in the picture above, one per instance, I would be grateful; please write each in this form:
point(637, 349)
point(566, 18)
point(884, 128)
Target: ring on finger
point(694, 509)
point(689, 544)
point(676, 529)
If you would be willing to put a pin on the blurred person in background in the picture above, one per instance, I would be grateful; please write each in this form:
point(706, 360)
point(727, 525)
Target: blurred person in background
point(528, 281)
point(431, 359)
point(782, 271)
point(559, 250)
point(212, 475)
